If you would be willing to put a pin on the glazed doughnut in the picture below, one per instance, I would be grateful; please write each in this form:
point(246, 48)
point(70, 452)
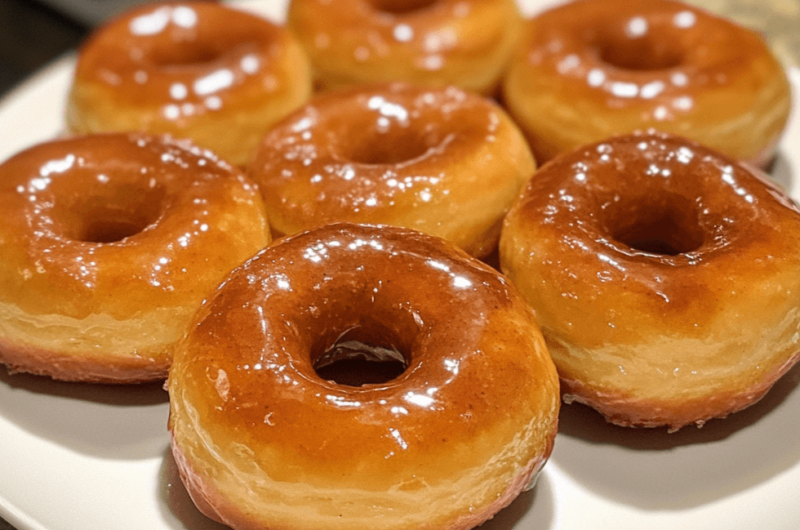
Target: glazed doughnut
point(465, 43)
point(593, 69)
point(441, 161)
point(197, 70)
point(108, 244)
point(263, 440)
point(664, 276)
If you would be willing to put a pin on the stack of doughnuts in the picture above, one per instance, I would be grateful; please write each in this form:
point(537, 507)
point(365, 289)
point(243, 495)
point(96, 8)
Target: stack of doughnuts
point(660, 266)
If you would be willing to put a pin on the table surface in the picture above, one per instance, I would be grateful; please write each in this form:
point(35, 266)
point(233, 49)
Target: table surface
point(32, 35)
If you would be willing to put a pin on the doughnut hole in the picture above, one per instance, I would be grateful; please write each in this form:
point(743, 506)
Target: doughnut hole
point(201, 53)
point(657, 49)
point(394, 146)
point(376, 150)
point(109, 217)
point(361, 355)
point(186, 54)
point(667, 228)
point(401, 7)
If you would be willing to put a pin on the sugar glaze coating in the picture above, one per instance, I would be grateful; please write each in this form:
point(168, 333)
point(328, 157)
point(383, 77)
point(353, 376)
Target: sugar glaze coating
point(200, 70)
point(262, 441)
point(464, 43)
point(108, 244)
point(592, 69)
point(441, 161)
point(664, 276)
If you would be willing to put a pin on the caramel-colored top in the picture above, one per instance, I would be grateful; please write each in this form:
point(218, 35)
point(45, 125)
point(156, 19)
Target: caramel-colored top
point(120, 224)
point(477, 371)
point(442, 161)
point(465, 43)
point(609, 67)
point(649, 235)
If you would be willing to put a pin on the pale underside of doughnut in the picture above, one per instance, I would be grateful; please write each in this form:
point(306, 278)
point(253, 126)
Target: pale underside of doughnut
point(465, 44)
point(714, 393)
point(497, 482)
point(98, 348)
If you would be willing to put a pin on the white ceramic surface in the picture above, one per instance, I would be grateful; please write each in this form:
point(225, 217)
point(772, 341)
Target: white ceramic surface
point(96, 458)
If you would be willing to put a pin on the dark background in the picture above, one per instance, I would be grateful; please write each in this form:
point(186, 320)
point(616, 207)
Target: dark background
point(35, 32)
point(32, 35)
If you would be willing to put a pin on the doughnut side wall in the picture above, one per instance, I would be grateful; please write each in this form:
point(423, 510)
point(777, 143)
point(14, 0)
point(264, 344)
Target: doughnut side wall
point(445, 445)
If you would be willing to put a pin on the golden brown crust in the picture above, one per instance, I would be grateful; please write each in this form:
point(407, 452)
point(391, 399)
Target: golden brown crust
point(198, 70)
point(445, 444)
point(663, 275)
point(435, 43)
point(441, 161)
point(593, 69)
point(108, 244)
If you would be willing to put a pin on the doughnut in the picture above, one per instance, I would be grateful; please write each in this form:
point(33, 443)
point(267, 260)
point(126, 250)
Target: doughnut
point(108, 244)
point(663, 275)
point(263, 438)
point(592, 69)
point(434, 43)
point(197, 70)
point(441, 161)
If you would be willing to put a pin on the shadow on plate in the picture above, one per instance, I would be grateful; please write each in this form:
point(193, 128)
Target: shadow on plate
point(781, 172)
point(532, 510)
point(105, 421)
point(178, 509)
point(652, 469)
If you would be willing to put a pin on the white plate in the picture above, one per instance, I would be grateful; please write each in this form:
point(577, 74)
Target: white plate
point(97, 458)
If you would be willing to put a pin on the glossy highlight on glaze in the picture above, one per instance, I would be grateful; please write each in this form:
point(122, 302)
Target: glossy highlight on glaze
point(640, 64)
point(434, 43)
point(473, 412)
point(108, 244)
point(663, 275)
point(441, 161)
point(189, 69)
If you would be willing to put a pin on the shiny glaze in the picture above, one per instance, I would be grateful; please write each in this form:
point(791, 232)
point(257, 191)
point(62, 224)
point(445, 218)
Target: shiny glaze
point(635, 64)
point(465, 43)
point(120, 227)
point(179, 66)
point(712, 309)
point(477, 370)
point(441, 161)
